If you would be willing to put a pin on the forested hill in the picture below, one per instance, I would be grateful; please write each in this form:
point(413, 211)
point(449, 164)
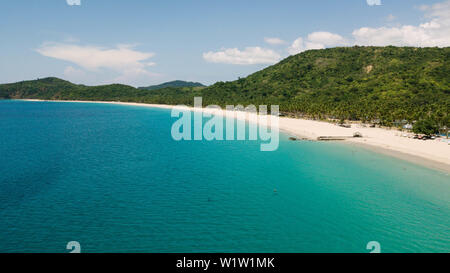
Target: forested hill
point(352, 83)
point(54, 88)
point(173, 84)
point(57, 89)
point(358, 83)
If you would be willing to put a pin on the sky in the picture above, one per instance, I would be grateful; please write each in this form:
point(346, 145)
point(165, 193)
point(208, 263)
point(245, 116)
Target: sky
point(146, 42)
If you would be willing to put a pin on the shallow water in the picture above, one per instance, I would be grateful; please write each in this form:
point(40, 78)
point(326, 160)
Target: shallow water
point(112, 178)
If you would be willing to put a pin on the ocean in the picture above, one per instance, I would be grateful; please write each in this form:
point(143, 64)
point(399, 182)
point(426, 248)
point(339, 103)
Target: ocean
point(112, 178)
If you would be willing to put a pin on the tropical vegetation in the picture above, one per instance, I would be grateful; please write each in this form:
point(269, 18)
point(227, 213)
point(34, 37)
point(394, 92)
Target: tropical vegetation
point(371, 84)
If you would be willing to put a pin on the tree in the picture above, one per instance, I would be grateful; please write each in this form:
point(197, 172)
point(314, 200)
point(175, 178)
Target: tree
point(426, 127)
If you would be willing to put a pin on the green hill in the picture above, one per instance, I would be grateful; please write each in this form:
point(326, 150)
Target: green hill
point(57, 89)
point(350, 83)
point(357, 83)
point(173, 84)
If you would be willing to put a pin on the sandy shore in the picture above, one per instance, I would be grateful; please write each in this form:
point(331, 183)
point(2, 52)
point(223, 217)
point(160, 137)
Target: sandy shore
point(431, 153)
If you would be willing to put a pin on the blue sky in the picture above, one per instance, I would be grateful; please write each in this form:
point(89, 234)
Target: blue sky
point(147, 42)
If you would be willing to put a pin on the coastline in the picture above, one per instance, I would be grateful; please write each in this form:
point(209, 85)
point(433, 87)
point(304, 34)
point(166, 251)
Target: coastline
point(431, 153)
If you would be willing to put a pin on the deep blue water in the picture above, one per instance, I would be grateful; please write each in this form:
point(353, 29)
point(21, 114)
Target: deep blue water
point(112, 178)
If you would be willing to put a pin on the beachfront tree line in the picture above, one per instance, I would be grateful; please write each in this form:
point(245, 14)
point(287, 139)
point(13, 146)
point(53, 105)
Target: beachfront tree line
point(372, 84)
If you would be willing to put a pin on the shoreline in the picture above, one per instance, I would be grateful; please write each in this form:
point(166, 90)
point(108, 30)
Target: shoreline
point(432, 154)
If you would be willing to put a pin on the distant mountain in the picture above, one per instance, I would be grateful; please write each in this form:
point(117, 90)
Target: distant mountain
point(57, 89)
point(173, 84)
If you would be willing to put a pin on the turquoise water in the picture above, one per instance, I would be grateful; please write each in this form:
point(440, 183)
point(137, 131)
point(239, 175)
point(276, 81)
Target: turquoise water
point(112, 178)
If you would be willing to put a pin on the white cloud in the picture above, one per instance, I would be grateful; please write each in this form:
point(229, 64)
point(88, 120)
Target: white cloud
point(249, 56)
point(274, 41)
point(73, 2)
point(297, 46)
point(129, 63)
point(93, 58)
point(374, 2)
point(435, 32)
point(317, 40)
point(326, 38)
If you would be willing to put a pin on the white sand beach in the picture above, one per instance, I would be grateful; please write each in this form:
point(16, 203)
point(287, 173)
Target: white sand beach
point(430, 153)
